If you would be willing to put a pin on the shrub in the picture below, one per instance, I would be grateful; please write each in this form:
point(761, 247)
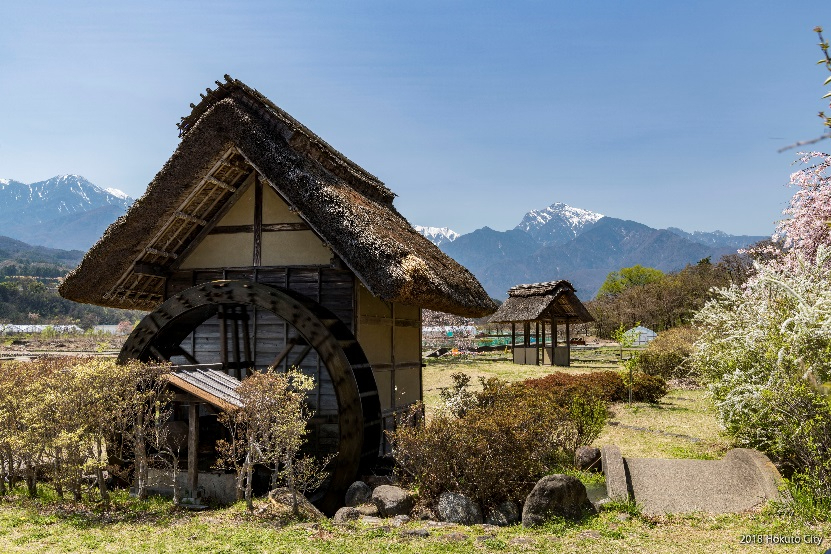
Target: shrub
point(764, 348)
point(605, 384)
point(608, 385)
point(508, 437)
point(645, 388)
point(668, 355)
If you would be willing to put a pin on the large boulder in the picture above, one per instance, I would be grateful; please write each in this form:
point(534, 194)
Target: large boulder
point(345, 515)
point(507, 513)
point(392, 501)
point(281, 501)
point(358, 493)
point(458, 508)
point(587, 458)
point(555, 495)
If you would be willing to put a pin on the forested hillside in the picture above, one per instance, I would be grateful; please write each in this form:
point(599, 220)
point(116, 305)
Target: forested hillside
point(29, 276)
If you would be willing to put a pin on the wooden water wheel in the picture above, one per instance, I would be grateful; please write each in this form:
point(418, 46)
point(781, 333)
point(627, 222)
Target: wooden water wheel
point(187, 327)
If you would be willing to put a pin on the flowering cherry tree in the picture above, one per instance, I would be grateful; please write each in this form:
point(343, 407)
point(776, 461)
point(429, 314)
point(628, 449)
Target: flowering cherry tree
point(808, 227)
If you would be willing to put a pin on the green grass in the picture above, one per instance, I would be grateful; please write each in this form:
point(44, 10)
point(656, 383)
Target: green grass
point(45, 525)
point(151, 526)
point(689, 414)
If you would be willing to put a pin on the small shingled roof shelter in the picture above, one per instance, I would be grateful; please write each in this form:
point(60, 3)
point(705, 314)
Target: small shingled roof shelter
point(258, 246)
point(552, 303)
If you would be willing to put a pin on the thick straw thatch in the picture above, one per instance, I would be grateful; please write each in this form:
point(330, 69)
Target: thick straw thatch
point(233, 132)
point(554, 300)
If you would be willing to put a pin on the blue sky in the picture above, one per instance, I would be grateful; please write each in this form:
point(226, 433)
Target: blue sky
point(668, 113)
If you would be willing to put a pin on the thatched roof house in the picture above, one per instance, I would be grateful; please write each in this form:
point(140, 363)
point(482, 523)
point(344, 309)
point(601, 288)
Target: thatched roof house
point(259, 246)
point(345, 206)
point(552, 301)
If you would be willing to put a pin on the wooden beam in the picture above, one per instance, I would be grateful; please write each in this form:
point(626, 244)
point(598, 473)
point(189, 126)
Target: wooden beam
point(302, 355)
point(193, 448)
point(388, 321)
point(157, 353)
point(226, 205)
point(246, 341)
point(265, 228)
point(179, 351)
point(221, 184)
point(290, 343)
point(223, 338)
point(188, 217)
point(157, 252)
point(258, 222)
point(235, 326)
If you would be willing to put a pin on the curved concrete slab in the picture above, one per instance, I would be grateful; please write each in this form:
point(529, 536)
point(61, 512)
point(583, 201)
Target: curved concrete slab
point(743, 480)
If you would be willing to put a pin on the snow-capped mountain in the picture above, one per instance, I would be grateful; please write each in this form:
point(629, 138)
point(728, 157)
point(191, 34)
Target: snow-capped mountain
point(558, 223)
point(66, 211)
point(437, 235)
point(562, 242)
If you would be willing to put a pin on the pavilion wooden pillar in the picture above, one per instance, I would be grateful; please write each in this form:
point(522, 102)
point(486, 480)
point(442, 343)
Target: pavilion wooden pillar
point(553, 339)
point(193, 448)
point(568, 343)
point(513, 342)
point(543, 342)
point(537, 343)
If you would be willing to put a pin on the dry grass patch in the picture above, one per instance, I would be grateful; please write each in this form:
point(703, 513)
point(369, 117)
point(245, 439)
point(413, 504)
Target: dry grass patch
point(682, 425)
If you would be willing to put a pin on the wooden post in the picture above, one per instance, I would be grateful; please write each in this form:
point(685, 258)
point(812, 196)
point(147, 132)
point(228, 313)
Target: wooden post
point(537, 343)
point(543, 342)
point(223, 339)
point(513, 342)
point(235, 345)
point(568, 343)
point(193, 448)
point(553, 339)
point(246, 343)
point(258, 222)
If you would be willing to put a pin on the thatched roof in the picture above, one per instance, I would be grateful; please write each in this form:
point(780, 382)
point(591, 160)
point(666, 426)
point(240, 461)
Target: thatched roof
point(542, 302)
point(233, 133)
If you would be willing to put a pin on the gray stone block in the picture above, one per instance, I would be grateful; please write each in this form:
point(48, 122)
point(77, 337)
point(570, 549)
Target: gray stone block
point(458, 508)
point(617, 487)
point(743, 480)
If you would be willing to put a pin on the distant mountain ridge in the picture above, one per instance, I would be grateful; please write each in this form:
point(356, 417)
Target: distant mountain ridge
point(437, 235)
point(66, 211)
point(559, 241)
point(562, 242)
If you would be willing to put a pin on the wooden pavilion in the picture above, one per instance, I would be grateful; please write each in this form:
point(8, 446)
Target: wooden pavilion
point(257, 246)
point(553, 303)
